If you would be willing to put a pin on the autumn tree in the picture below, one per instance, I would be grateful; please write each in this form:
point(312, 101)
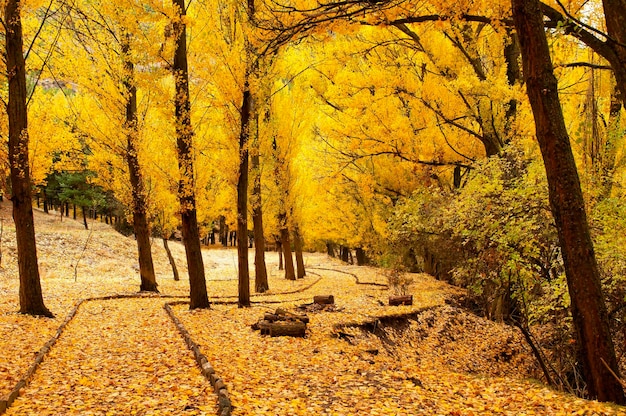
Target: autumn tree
point(139, 207)
point(31, 298)
point(596, 351)
point(184, 145)
point(107, 37)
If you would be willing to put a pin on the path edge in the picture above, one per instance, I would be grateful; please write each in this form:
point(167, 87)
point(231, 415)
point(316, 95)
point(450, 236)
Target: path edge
point(224, 403)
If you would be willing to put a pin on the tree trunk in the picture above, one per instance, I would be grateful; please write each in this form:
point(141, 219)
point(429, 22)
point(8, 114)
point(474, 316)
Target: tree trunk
point(84, 210)
point(31, 298)
point(171, 259)
point(615, 16)
point(290, 273)
point(184, 145)
point(297, 239)
point(242, 198)
point(279, 249)
point(261, 283)
point(590, 318)
point(361, 257)
point(140, 218)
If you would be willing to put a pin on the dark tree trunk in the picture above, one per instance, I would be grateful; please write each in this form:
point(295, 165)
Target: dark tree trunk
point(285, 242)
point(74, 211)
point(140, 217)
point(31, 298)
point(171, 259)
point(184, 144)
point(590, 318)
point(85, 218)
point(615, 16)
point(45, 204)
point(297, 240)
point(361, 257)
point(242, 199)
point(261, 283)
point(330, 249)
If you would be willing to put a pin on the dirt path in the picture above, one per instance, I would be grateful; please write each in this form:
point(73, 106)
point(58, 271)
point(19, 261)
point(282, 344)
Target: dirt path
point(118, 357)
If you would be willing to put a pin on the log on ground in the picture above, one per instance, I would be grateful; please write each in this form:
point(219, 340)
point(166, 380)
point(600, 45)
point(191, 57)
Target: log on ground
point(400, 300)
point(287, 328)
point(324, 300)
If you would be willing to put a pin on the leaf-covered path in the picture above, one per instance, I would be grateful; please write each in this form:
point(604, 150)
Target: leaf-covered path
point(118, 357)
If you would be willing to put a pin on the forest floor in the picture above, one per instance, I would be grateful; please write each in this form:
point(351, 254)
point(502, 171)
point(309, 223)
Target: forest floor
point(125, 356)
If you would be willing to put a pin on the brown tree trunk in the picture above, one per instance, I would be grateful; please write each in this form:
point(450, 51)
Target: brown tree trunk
point(85, 218)
point(31, 298)
point(184, 144)
point(261, 283)
point(297, 240)
point(285, 242)
point(140, 218)
point(242, 199)
point(171, 259)
point(615, 16)
point(590, 318)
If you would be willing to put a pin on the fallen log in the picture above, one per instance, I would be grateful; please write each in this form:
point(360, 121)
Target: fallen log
point(280, 312)
point(400, 300)
point(324, 300)
point(287, 328)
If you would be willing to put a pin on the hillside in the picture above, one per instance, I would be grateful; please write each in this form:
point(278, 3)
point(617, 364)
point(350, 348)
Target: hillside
point(124, 356)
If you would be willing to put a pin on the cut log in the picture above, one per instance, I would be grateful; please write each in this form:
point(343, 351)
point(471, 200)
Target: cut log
point(263, 326)
point(285, 328)
point(400, 300)
point(324, 300)
point(271, 317)
point(280, 312)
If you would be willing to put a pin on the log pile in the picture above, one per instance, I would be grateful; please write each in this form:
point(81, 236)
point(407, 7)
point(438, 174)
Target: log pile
point(400, 300)
point(282, 323)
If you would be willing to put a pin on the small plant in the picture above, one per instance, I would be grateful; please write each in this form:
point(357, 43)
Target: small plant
point(399, 281)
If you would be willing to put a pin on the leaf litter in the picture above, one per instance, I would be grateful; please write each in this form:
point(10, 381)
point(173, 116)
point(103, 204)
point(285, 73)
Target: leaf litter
point(125, 357)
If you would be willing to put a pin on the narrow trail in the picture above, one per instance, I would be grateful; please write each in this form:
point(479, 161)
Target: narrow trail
point(118, 357)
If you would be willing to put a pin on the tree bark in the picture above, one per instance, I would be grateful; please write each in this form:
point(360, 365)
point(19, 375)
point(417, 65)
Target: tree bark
point(31, 297)
point(84, 210)
point(184, 144)
point(261, 283)
point(615, 16)
point(589, 312)
point(171, 259)
point(242, 199)
point(297, 239)
point(290, 273)
point(140, 217)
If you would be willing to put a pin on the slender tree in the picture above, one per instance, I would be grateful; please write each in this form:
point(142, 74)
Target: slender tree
point(261, 284)
point(242, 197)
point(31, 297)
point(140, 217)
point(184, 145)
point(595, 347)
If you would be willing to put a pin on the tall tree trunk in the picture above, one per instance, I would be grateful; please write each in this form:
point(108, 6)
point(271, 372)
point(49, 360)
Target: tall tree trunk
point(31, 298)
point(615, 16)
point(184, 145)
point(140, 217)
point(595, 347)
point(285, 240)
point(297, 240)
point(171, 259)
point(242, 198)
point(261, 283)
